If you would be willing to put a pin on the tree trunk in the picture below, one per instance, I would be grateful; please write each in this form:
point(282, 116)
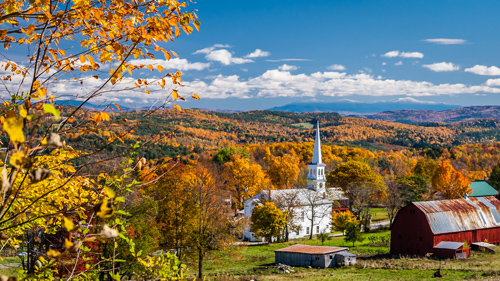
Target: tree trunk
point(286, 232)
point(312, 228)
point(200, 265)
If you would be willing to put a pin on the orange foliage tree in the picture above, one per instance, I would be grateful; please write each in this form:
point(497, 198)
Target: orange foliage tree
point(449, 182)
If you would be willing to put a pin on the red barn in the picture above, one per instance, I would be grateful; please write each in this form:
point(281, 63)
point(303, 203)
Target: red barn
point(420, 227)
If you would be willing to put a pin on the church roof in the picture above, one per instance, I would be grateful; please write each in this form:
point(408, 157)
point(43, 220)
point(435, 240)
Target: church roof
point(317, 148)
point(304, 196)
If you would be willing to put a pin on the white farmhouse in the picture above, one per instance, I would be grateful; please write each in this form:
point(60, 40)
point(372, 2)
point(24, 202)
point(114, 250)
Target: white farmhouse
point(312, 205)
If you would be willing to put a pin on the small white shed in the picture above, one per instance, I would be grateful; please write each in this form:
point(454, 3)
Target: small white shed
point(345, 259)
point(314, 256)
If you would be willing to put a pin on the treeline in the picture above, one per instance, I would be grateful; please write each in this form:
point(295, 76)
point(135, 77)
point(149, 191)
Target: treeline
point(212, 130)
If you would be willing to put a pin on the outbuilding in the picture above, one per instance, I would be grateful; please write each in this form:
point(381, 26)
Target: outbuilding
point(420, 227)
point(451, 250)
point(314, 256)
point(482, 189)
point(345, 259)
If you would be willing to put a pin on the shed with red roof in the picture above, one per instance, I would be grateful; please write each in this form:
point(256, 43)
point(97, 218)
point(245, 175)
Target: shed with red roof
point(314, 256)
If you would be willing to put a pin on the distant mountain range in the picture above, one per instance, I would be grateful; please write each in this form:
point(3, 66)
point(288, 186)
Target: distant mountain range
point(349, 107)
point(447, 116)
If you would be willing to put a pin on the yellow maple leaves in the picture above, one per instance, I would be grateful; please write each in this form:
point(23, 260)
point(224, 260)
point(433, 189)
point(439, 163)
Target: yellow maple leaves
point(13, 126)
point(100, 116)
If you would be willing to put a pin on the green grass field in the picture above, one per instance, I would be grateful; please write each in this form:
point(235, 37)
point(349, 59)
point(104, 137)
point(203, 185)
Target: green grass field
point(373, 263)
point(378, 215)
point(303, 125)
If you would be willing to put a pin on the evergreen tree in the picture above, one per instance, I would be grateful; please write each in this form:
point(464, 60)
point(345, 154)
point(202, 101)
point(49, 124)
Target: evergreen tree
point(494, 179)
point(353, 233)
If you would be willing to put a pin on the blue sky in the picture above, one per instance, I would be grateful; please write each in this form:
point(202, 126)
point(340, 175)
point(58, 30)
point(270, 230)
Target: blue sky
point(260, 54)
point(349, 38)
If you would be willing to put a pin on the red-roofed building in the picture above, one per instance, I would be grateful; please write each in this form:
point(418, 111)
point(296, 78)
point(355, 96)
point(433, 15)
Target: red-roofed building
point(314, 256)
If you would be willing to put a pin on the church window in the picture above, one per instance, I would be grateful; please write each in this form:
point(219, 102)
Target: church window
point(317, 229)
point(303, 215)
point(307, 230)
point(297, 232)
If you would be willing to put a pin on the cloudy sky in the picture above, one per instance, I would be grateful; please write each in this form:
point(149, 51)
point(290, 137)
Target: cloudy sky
point(261, 54)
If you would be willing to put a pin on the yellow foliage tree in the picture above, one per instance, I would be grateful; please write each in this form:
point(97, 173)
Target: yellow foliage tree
point(43, 198)
point(268, 221)
point(284, 170)
point(341, 220)
point(245, 180)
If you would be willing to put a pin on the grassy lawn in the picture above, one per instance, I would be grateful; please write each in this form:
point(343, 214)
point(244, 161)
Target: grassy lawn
point(303, 125)
point(10, 271)
point(373, 263)
point(242, 260)
point(378, 215)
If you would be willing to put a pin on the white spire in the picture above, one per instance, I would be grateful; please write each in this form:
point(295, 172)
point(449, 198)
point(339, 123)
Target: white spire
point(317, 147)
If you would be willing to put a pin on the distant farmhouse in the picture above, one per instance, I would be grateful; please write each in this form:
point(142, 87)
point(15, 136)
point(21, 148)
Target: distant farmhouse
point(442, 227)
point(314, 204)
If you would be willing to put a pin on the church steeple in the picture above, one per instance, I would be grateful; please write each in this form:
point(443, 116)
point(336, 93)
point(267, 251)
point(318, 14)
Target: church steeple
point(317, 148)
point(316, 177)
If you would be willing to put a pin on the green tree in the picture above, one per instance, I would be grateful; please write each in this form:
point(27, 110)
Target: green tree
point(413, 188)
point(353, 233)
point(425, 168)
point(494, 178)
point(268, 221)
point(323, 236)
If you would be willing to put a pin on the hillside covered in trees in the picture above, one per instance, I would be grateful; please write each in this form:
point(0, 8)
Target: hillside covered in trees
point(448, 116)
point(172, 132)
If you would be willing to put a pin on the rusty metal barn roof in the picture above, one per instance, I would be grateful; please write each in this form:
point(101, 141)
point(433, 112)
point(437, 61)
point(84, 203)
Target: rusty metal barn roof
point(306, 249)
point(457, 215)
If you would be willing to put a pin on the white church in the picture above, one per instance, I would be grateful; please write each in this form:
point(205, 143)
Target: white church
point(313, 205)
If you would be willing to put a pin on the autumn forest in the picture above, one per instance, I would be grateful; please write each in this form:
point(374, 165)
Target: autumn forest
point(105, 193)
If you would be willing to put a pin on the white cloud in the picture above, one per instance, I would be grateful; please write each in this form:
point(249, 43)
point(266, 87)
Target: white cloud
point(446, 41)
point(287, 67)
point(336, 67)
point(442, 66)
point(411, 55)
point(398, 63)
point(215, 53)
point(280, 60)
point(258, 53)
point(225, 57)
point(384, 63)
point(391, 54)
point(272, 83)
point(276, 83)
point(484, 70)
point(493, 82)
point(211, 48)
point(174, 64)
